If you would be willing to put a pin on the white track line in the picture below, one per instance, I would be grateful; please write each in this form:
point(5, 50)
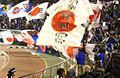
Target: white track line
point(2, 64)
point(5, 59)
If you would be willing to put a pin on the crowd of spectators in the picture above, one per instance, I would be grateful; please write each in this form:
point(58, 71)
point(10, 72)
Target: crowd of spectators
point(20, 23)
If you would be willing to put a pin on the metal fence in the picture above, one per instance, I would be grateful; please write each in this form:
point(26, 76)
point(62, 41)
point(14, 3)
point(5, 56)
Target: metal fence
point(49, 72)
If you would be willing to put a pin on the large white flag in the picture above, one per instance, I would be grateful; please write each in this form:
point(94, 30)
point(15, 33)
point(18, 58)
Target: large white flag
point(63, 26)
point(38, 12)
point(18, 10)
point(7, 37)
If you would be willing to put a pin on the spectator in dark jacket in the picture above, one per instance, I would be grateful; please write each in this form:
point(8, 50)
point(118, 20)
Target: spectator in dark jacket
point(62, 73)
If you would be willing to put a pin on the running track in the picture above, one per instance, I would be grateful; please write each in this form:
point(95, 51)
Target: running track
point(23, 61)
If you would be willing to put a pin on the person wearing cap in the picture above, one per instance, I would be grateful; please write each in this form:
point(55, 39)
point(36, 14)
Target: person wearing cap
point(63, 73)
point(11, 73)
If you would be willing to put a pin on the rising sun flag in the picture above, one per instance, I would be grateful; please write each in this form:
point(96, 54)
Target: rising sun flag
point(7, 39)
point(63, 25)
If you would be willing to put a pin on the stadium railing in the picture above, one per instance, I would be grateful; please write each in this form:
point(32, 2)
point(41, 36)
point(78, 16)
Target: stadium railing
point(50, 72)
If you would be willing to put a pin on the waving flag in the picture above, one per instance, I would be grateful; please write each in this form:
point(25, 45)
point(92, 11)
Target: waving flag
point(97, 8)
point(95, 18)
point(18, 10)
point(27, 38)
point(7, 37)
point(63, 26)
point(38, 12)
